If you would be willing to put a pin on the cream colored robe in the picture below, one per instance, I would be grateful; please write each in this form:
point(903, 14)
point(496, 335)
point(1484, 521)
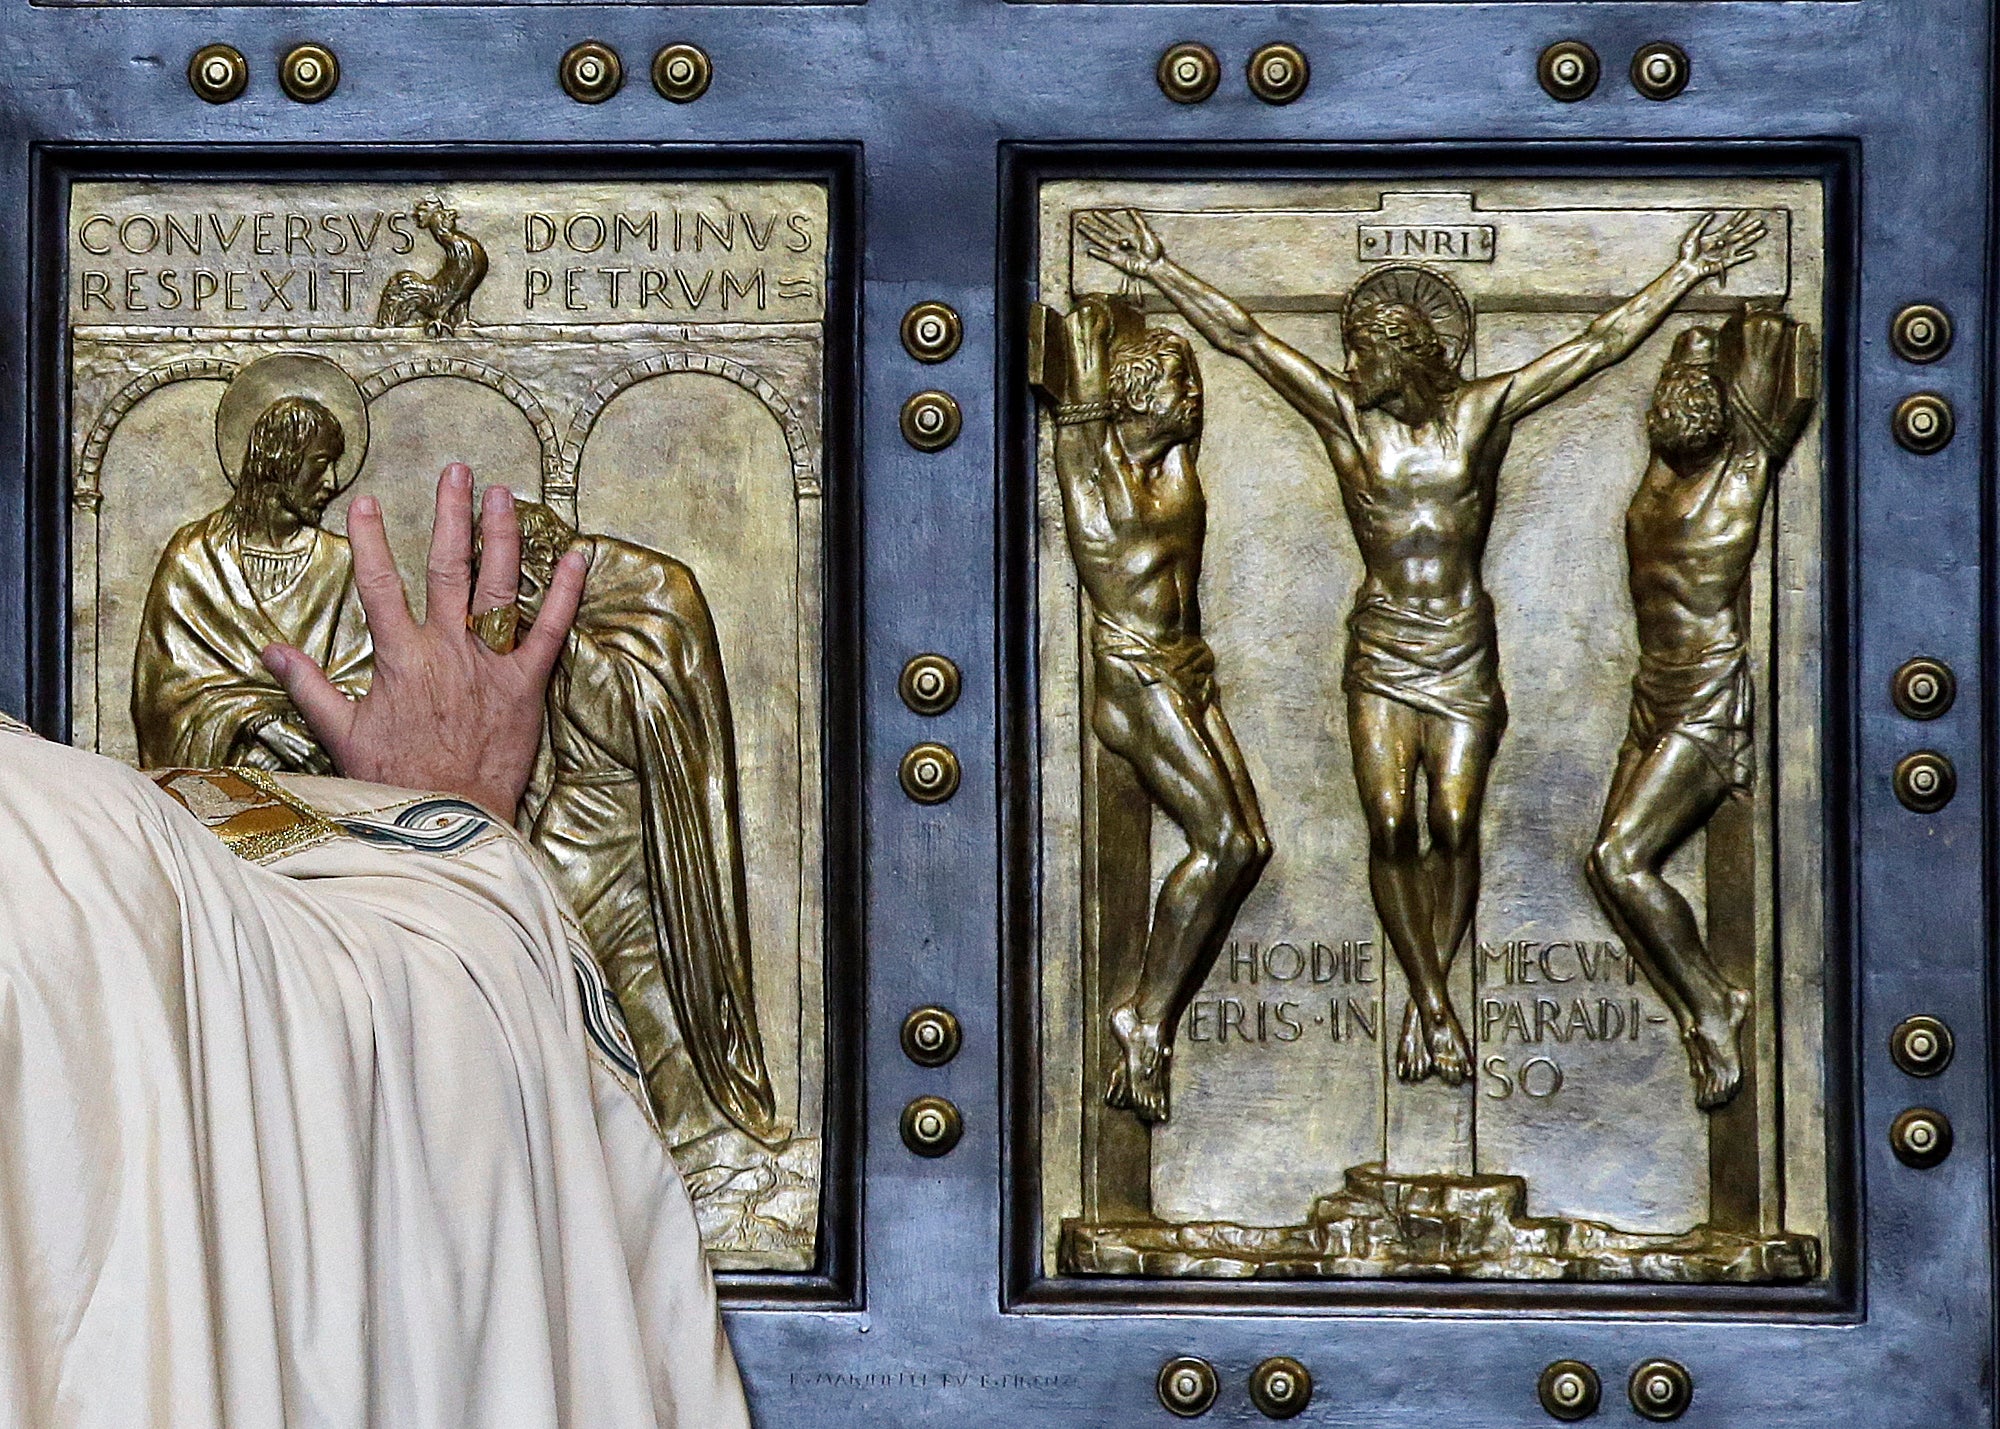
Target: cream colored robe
point(334, 1130)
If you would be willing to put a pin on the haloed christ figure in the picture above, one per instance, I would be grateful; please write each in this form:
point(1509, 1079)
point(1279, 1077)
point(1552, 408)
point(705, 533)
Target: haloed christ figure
point(1416, 450)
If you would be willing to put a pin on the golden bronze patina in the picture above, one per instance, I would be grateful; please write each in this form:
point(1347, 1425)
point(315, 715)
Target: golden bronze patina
point(1923, 688)
point(1660, 70)
point(1569, 1390)
point(931, 1036)
point(591, 72)
point(440, 303)
point(1281, 1387)
point(1279, 73)
point(1921, 332)
point(1188, 72)
point(218, 73)
point(1925, 781)
point(929, 773)
point(931, 1126)
point(496, 628)
point(1568, 70)
point(932, 331)
point(309, 73)
point(931, 421)
point(1921, 1046)
point(929, 684)
point(1660, 1390)
point(1187, 1386)
point(1923, 423)
point(1921, 1137)
point(682, 73)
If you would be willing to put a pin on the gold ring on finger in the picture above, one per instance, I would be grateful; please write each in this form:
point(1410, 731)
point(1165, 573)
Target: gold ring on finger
point(496, 628)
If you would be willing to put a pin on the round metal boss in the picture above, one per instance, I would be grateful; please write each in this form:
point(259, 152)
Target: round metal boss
point(1189, 72)
point(1187, 1386)
point(929, 685)
point(1660, 70)
point(1921, 332)
point(930, 773)
point(1923, 688)
point(682, 72)
point(1279, 73)
point(1921, 1137)
point(1923, 423)
point(1660, 1390)
point(1925, 781)
point(932, 331)
point(1281, 1387)
point(931, 1126)
point(309, 73)
point(591, 72)
point(1570, 1390)
point(218, 73)
point(1921, 1045)
point(1568, 70)
point(931, 1036)
point(931, 421)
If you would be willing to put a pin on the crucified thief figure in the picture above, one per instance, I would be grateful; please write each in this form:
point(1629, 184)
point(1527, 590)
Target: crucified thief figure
point(1128, 420)
point(1726, 414)
point(1417, 449)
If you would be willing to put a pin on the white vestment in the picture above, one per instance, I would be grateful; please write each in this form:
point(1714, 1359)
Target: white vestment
point(336, 1129)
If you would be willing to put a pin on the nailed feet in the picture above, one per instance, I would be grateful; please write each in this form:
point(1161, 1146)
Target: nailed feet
point(1433, 1043)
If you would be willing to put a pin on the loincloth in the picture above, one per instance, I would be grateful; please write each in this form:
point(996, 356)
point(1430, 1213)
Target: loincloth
point(1184, 664)
point(1447, 666)
point(1706, 701)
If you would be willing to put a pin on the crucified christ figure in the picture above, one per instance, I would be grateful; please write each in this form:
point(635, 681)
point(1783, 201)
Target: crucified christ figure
point(1416, 450)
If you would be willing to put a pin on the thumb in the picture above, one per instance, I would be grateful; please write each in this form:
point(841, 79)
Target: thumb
point(328, 713)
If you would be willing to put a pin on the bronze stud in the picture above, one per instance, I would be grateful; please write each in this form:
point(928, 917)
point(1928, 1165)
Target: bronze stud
point(1921, 1138)
point(929, 685)
point(1569, 71)
point(591, 72)
point(931, 1036)
point(1187, 1386)
point(1660, 70)
point(1281, 1387)
point(931, 421)
point(932, 1126)
point(929, 773)
point(218, 73)
point(1925, 781)
point(1921, 332)
point(1279, 73)
point(1189, 72)
point(682, 72)
point(932, 331)
point(309, 73)
point(1570, 1390)
point(1660, 1390)
point(1921, 1046)
point(1924, 688)
point(1923, 423)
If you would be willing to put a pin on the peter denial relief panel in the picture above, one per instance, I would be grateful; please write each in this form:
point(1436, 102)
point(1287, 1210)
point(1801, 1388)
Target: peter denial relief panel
point(643, 365)
point(1481, 938)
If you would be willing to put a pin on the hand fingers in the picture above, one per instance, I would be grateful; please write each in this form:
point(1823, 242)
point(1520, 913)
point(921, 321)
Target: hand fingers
point(376, 578)
point(448, 573)
point(499, 552)
point(544, 641)
point(328, 713)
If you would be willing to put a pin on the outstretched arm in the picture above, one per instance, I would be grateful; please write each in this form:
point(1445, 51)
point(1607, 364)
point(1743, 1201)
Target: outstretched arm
point(1128, 243)
point(1706, 252)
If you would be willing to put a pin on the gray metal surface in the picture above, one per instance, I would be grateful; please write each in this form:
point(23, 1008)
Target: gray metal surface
point(938, 1327)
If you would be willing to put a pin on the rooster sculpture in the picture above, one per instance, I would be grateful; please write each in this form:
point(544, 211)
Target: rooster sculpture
point(440, 303)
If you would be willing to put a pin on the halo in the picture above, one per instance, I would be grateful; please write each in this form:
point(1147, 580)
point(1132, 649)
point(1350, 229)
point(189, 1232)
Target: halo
point(291, 374)
point(1425, 289)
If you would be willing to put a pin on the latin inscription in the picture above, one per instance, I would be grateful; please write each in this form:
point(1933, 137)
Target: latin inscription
point(1440, 243)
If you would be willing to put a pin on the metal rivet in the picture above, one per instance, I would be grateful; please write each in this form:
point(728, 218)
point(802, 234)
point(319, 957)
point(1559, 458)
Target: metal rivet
point(1189, 72)
point(309, 73)
point(929, 685)
point(932, 331)
point(931, 421)
point(1187, 1386)
point(1568, 70)
point(1570, 1390)
point(1924, 688)
point(1921, 332)
point(1279, 73)
point(1281, 1387)
point(218, 73)
point(931, 1126)
point(1923, 423)
point(1925, 781)
point(1921, 1045)
point(929, 773)
point(931, 1036)
point(591, 72)
point(1921, 1137)
point(1660, 1390)
point(682, 72)
point(1660, 70)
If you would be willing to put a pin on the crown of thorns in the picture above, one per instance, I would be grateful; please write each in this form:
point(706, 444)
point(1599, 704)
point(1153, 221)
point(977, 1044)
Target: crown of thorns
point(1419, 291)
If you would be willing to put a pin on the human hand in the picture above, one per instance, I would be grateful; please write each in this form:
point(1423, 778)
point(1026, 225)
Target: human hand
point(287, 739)
point(1124, 240)
point(1090, 327)
point(444, 711)
point(1709, 252)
